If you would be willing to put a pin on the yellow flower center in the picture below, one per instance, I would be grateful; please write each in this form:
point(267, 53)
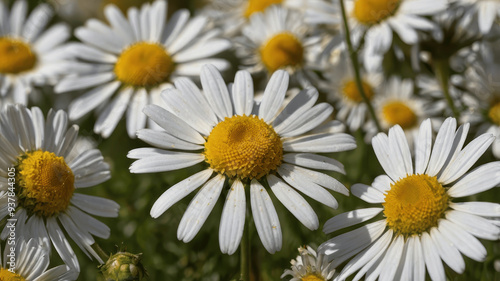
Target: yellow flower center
point(143, 65)
point(350, 91)
point(494, 113)
point(414, 204)
point(398, 113)
point(312, 277)
point(6, 275)
point(15, 56)
point(243, 147)
point(283, 50)
point(259, 6)
point(374, 11)
point(45, 183)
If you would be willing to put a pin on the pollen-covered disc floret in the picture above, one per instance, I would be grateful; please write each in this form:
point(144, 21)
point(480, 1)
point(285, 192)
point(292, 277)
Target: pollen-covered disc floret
point(494, 113)
point(45, 183)
point(244, 147)
point(350, 91)
point(144, 64)
point(312, 277)
point(373, 11)
point(282, 50)
point(398, 113)
point(6, 275)
point(255, 6)
point(414, 204)
point(16, 56)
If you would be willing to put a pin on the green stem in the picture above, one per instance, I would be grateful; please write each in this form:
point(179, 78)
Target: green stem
point(442, 70)
point(100, 252)
point(245, 252)
point(355, 65)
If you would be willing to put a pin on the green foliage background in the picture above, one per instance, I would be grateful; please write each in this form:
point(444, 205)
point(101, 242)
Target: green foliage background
point(166, 258)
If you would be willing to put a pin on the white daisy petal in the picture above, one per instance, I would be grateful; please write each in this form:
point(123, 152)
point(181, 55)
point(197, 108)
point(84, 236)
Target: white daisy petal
point(321, 143)
point(163, 140)
point(135, 118)
point(293, 111)
point(179, 191)
point(309, 120)
point(96, 205)
point(431, 257)
point(462, 240)
point(484, 209)
point(367, 193)
point(156, 20)
point(349, 219)
point(168, 162)
point(274, 94)
point(372, 253)
point(294, 202)
point(135, 22)
point(475, 225)
point(70, 83)
point(216, 91)
point(109, 118)
point(314, 161)
point(189, 32)
point(397, 141)
point(232, 220)
point(442, 146)
point(17, 17)
point(89, 223)
point(242, 94)
point(418, 258)
point(389, 161)
point(199, 208)
point(466, 158)
point(175, 25)
point(448, 253)
point(208, 49)
point(52, 37)
point(172, 124)
point(265, 217)
point(290, 174)
point(478, 180)
point(119, 23)
point(61, 244)
point(321, 179)
point(392, 258)
point(37, 21)
point(91, 100)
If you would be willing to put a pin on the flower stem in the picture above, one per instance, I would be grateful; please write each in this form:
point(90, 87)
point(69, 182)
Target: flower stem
point(442, 70)
point(355, 65)
point(245, 253)
point(103, 257)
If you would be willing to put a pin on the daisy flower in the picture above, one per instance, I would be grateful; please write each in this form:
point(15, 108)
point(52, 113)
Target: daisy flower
point(39, 175)
point(31, 263)
point(247, 145)
point(310, 266)
point(278, 39)
point(341, 89)
point(126, 65)
point(421, 225)
point(30, 54)
point(487, 11)
point(378, 19)
point(232, 15)
point(396, 104)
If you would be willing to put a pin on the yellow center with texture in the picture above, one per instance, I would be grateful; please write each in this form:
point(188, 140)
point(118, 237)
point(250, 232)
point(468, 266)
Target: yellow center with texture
point(45, 183)
point(312, 277)
point(259, 6)
point(282, 50)
point(15, 56)
point(245, 147)
point(6, 275)
point(351, 92)
point(414, 204)
point(144, 65)
point(374, 11)
point(494, 113)
point(398, 113)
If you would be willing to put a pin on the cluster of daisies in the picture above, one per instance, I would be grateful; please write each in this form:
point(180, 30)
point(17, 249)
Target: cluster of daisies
point(308, 74)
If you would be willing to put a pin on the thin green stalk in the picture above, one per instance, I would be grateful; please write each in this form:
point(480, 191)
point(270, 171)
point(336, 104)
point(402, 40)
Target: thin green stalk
point(100, 252)
point(245, 253)
point(353, 54)
point(442, 70)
